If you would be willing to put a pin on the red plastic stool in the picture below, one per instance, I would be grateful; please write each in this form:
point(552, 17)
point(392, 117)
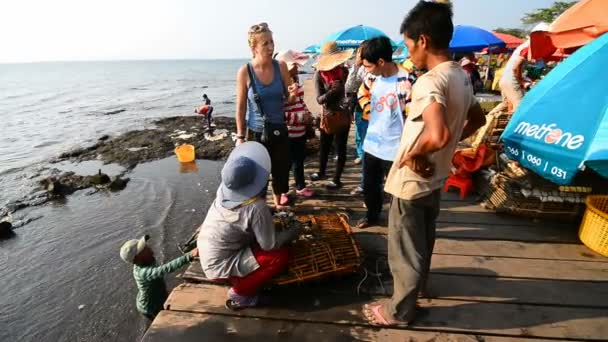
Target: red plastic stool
point(465, 184)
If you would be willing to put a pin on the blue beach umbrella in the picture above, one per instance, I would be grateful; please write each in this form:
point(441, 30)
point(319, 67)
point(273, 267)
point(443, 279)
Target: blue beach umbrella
point(312, 49)
point(401, 53)
point(352, 37)
point(470, 39)
point(561, 126)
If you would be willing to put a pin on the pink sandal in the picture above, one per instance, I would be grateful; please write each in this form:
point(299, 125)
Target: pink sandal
point(305, 192)
point(372, 313)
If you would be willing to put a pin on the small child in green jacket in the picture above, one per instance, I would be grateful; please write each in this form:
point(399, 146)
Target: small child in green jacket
point(152, 291)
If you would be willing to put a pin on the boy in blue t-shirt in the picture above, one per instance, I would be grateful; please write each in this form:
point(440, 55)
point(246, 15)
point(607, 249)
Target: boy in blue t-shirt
point(383, 95)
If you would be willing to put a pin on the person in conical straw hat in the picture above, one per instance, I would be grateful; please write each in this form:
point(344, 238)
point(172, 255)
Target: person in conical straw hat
point(331, 56)
point(330, 79)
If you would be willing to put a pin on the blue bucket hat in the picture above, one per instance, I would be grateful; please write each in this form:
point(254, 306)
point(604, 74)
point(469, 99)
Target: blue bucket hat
point(245, 174)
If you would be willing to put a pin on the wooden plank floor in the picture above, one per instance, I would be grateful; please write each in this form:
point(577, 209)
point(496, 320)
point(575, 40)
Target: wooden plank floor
point(493, 278)
point(191, 327)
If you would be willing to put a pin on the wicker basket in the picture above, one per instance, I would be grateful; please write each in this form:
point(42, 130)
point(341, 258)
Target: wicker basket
point(506, 195)
point(594, 227)
point(498, 125)
point(327, 249)
point(490, 133)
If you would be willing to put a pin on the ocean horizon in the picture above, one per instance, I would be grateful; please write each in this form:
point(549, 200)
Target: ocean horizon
point(123, 60)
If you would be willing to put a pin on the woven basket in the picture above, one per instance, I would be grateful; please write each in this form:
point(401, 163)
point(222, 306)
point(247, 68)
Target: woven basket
point(328, 249)
point(594, 227)
point(490, 133)
point(505, 195)
point(498, 125)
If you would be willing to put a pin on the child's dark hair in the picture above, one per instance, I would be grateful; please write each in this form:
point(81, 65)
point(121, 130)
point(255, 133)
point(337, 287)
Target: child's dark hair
point(376, 48)
point(432, 19)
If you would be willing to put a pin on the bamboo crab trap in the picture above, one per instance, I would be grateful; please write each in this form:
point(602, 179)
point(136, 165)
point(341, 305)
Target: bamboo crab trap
point(325, 248)
point(517, 190)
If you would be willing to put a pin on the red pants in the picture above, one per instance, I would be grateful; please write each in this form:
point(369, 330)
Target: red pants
point(204, 109)
point(271, 263)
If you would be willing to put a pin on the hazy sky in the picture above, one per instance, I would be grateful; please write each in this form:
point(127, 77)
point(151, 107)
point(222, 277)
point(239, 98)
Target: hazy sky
point(44, 30)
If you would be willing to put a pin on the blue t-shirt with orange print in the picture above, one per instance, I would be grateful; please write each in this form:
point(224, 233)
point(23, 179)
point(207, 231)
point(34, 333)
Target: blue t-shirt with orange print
point(386, 117)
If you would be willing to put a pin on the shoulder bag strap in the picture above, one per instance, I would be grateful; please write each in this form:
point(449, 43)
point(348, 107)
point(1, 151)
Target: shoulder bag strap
point(256, 96)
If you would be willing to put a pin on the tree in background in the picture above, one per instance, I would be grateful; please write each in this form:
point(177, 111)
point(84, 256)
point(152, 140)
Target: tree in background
point(512, 31)
point(547, 15)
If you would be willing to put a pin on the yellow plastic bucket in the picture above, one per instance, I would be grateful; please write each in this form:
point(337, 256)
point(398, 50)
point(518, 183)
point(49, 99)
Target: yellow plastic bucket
point(594, 227)
point(188, 167)
point(185, 153)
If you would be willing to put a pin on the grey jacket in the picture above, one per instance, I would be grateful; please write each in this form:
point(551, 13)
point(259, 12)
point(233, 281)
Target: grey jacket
point(227, 235)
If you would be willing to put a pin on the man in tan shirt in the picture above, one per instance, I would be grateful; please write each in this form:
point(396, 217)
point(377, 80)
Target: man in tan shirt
point(443, 111)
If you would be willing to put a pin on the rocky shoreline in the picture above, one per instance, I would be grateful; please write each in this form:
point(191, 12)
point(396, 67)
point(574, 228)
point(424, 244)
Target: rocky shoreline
point(135, 147)
point(140, 146)
point(128, 150)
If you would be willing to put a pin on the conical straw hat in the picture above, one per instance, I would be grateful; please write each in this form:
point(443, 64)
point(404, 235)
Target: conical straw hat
point(331, 56)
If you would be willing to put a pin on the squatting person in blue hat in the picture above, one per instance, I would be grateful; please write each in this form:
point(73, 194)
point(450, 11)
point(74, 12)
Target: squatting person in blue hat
point(238, 240)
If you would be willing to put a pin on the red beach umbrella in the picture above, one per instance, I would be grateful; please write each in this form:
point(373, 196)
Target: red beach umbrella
point(511, 41)
point(577, 26)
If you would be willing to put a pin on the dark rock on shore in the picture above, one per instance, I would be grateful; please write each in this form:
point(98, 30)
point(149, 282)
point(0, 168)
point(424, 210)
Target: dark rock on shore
point(25, 220)
point(99, 179)
point(60, 184)
point(35, 199)
point(141, 146)
point(6, 229)
point(112, 112)
point(8, 224)
point(5, 226)
point(68, 182)
point(117, 183)
point(11, 207)
point(65, 184)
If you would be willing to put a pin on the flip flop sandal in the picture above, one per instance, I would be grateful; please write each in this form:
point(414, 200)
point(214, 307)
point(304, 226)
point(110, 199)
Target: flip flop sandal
point(372, 314)
point(232, 305)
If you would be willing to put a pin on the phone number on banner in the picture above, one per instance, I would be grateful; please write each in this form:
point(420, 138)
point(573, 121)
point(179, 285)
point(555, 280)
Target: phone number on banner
point(537, 162)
